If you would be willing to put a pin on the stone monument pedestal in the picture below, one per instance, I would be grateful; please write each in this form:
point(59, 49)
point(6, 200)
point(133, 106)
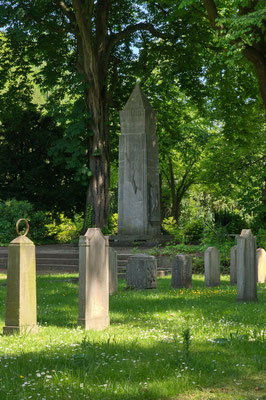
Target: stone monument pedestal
point(139, 240)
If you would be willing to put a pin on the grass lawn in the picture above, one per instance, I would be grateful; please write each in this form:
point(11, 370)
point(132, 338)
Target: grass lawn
point(163, 344)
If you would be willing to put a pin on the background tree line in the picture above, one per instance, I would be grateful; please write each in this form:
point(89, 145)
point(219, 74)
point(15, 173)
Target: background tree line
point(66, 69)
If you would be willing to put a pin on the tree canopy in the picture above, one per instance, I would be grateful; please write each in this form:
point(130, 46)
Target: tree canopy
point(201, 63)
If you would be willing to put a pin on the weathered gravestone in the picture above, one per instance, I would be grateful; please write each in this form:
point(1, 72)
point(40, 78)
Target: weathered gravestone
point(21, 310)
point(138, 188)
point(93, 280)
point(261, 265)
point(141, 272)
point(112, 271)
point(233, 265)
point(182, 271)
point(246, 267)
point(212, 267)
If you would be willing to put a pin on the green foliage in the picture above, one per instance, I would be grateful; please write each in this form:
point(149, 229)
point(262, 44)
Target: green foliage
point(261, 238)
point(170, 226)
point(11, 211)
point(232, 221)
point(28, 170)
point(193, 231)
point(111, 229)
point(174, 249)
point(87, 222)
point(210, 121)
point(113, 222)
point(65, 230)
point(186, 335)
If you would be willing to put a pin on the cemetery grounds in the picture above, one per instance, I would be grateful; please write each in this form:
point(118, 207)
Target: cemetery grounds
point(164, 343)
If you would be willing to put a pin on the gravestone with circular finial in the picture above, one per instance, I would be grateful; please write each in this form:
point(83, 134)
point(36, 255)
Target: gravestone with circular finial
point(21, 309)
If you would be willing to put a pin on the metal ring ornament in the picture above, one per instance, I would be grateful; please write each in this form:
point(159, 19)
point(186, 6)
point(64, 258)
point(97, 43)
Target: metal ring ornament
point(27, 227)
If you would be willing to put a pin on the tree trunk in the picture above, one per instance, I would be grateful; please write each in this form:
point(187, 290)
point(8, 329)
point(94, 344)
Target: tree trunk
point(176, 209)
point(258, 60)
point(98, 157)
point(95, 43)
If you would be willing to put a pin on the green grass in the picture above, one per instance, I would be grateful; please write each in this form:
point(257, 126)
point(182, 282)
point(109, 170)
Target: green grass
point(142, 355)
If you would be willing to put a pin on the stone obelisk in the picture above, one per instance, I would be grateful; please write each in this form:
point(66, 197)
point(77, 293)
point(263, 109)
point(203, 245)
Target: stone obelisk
point(138, 189)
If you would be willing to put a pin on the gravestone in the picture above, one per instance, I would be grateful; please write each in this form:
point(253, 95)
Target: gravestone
point(212, 267)
point(21, 309)
point(138, 188)
point(182, 271)
point(141, 272)
point(93, 280)
point(233, 265)
point(261, 265)
point(112, 271)
point(246, 267)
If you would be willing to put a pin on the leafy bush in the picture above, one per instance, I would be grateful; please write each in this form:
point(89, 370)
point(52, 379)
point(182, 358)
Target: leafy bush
point(113, 222)
point(261, 238)
point(193, 231)
point(111, 229)
point(231, 221)
point(197, 265)
point(65, 230)
point(170, 226)
point(174, 249)
point(11, 211)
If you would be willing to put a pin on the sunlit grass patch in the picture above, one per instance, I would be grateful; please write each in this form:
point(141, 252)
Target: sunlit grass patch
point(162, 344)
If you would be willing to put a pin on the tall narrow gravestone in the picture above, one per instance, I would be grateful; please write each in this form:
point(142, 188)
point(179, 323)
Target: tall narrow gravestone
point(182, 271)
point(261, 265)
point(246, 267)
point(212, 267)
point(233, 265)
point(112, 271)
point(93, 280)
point(21, 310)
point(138, 189)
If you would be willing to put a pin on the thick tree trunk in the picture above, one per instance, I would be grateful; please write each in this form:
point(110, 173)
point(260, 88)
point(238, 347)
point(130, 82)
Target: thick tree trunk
point(176, 193)
point(98, 157)
point(258, 60)
point(91, 26)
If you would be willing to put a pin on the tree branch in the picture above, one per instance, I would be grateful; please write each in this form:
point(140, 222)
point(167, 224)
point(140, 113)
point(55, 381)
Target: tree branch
point(132, 29)
point(66, 11)
point(212, 12)
point(102, 11)
point(114, 81)
point(83, 26)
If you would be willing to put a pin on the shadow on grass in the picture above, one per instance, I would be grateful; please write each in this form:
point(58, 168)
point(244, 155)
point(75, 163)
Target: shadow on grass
point(57, 300)
point(125, 372)
point(138, 369)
